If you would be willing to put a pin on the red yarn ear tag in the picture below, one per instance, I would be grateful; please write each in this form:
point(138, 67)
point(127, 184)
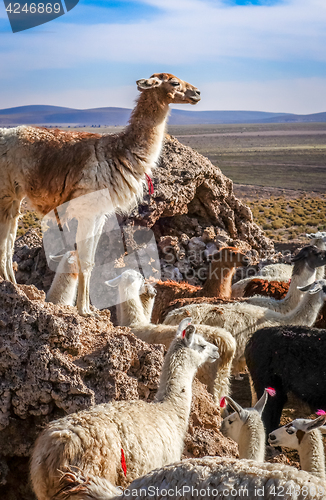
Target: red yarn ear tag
point(271, 391)
point(320, 413)
point(223, 402)
point(150, 184)
point(123, 463)
point(183, 334)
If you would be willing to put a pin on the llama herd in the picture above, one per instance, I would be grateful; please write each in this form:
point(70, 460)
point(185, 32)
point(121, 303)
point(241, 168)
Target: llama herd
point(134, 448)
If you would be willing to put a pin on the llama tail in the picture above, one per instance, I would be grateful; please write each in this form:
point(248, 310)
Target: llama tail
point(74, 485)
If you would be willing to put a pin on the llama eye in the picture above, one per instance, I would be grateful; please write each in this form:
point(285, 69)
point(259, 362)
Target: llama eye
point(201, 346)
point(175, 84)
point(290, 431)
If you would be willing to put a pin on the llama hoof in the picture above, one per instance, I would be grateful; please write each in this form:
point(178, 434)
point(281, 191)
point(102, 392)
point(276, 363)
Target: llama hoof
point(87, 313)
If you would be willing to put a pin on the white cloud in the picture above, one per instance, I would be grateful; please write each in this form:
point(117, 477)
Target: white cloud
point(188, 32)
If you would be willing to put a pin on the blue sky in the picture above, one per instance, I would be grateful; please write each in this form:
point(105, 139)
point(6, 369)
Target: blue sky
point(265, 55)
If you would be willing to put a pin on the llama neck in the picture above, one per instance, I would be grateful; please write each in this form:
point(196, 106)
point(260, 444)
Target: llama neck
point(148, 304)
point(312, 455)
point(130, 310)
point(252, 441)
point(218, 283)
point(305, 312)
point(294, 295)
point(176, 380)
point(145, 132)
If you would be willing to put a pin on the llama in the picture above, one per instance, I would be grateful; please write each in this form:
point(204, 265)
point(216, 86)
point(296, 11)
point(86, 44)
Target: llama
point(292, 360)
point(246, 428)
point(150, 434)
point(205, 478)
point(63, 289)
point(244, 319)
point(304, 272)
point(303, 435)
point(134, 291)
point(218, 283)
point(52, 167)
point(281, 272)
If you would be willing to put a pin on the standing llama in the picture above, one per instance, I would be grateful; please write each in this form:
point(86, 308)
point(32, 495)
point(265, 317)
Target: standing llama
point(52, 167)
point(131, 437)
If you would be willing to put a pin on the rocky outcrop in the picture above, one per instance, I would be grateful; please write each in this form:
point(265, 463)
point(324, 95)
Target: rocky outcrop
point(193, 212)
point(54, 362)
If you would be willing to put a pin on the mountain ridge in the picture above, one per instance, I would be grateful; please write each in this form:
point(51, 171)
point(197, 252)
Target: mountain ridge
point(115, 116)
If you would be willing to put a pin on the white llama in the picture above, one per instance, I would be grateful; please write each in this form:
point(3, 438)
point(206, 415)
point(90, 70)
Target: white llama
point(150, 434)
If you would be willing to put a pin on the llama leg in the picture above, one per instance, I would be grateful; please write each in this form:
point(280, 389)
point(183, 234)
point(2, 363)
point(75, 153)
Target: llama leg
point(11, 239)
point(4, 236)
point(88, 234)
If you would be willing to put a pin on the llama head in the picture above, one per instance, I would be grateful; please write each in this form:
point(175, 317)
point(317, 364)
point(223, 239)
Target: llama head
point(170, 88)
point(149, 290)
point(230, 257)
point(232, 425)
point(130, 283)
point(309, 256)
point(67, 262)
point(318, 239)
point(318, 286)
point(292, 434)
point(201, 350)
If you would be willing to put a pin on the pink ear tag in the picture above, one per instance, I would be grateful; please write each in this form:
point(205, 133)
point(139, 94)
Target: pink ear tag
point(320, 413)
point(271, 391)
point(183, 334)
point(223, 402)
point(123, 462)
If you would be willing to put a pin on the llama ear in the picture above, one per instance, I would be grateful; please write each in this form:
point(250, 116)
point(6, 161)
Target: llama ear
point(56, 258)
point(188, 334)
point(148, 83)
point(236, 407)
point(260, 405)
point(114, 282)
point(182, 326)
point(314, 287)
point(314, 424)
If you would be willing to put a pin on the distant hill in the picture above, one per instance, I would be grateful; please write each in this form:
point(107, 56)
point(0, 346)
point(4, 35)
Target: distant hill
point(56, 115)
